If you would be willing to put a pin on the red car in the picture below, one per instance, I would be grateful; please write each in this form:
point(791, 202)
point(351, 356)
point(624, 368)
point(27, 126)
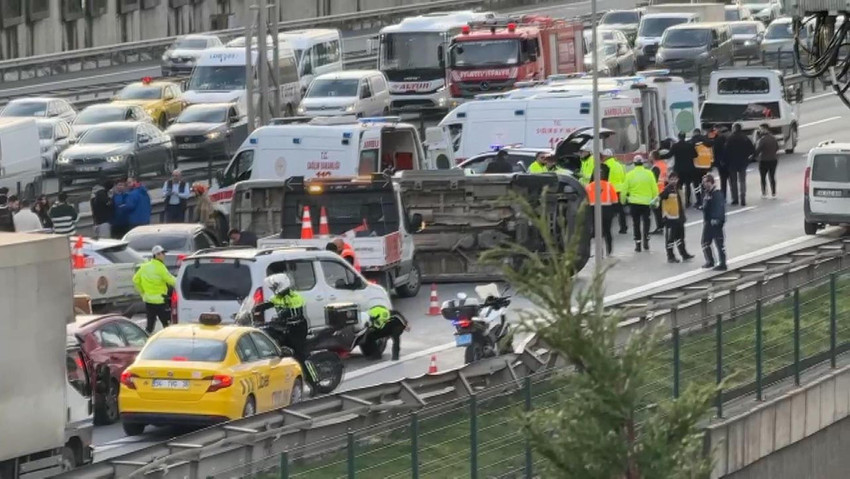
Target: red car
point(110, 343)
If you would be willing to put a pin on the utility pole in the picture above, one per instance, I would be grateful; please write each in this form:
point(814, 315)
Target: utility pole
point(597, 161)
point(274, 24)
point(262, 61)
point(249, 67)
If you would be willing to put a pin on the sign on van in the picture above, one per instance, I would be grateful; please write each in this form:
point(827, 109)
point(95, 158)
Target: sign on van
point(224, 57)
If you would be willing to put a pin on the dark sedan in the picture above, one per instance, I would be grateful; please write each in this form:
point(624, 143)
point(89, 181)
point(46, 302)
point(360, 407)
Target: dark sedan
point(208, 131)
point(125, 148)
point(107, 113)
point(110, 343)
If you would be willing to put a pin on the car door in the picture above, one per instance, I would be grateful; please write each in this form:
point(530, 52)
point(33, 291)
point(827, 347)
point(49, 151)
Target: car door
point(144, 149)
point(248, 372)
point(276, 379)
point(173, 105)
point(111, 348)
point(135, 338)
point(63, 134)
point(162, 146)
point(237, 130)
point(366, 99)
point(302, 272)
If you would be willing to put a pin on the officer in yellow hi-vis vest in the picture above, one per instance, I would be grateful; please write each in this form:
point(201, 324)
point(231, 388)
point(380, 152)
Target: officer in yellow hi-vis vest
point(384, 323)
point(704, 159)
point(673, 213)
point(152, 281)
point(641, 190)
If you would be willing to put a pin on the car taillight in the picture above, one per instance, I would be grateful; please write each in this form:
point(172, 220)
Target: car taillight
point(179, 358)
point(127, 379)
point(174, 317)
point(807, 180)
point(258, 296)
point(219, 381)
point(180, 258)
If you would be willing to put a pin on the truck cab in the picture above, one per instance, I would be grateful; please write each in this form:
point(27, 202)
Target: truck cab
point(750, 97)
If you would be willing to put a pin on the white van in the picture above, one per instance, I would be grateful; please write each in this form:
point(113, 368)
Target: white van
point(219, 77)
point(20, 156)
point(361, 93)
point(826, 186)
point(317, 51)
point(320, 148)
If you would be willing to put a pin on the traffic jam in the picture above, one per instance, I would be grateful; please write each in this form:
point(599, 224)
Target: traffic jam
point(257, 289)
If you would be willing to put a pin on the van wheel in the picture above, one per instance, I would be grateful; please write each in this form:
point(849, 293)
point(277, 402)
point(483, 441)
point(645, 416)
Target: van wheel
point(810, 228)
point(69, 459)
point(792, 141)
point(414, 282)
point(386, 111)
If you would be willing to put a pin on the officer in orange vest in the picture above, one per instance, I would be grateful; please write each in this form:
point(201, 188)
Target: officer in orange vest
point(609, 201)
point(659, 169)
point(340, 247)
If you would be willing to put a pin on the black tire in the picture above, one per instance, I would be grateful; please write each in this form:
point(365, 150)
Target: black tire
point(373, 349)
point(414, 283)
point(132, 428)
point(69, 459)
point(297, 393)
point(132, 169)
point(386, 111)
point(169, 165)
point(474, 352)
point(810, 228)
point(328, 368)
point(250, 407)
point(106, 410)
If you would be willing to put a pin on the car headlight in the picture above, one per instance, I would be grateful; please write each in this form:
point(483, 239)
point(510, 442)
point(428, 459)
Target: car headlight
point(301, 110)
point(213, 135)
point(115, 158)
point(441, 102)
point(63, 159)
point(349, 108)
point(749, 43)
point(165, 57)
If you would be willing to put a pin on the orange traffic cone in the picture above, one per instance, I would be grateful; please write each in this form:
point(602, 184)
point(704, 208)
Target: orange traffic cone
point(432, 368)
point(434, 306)
point(324, 229)
point(306, 224)
point(78, 259)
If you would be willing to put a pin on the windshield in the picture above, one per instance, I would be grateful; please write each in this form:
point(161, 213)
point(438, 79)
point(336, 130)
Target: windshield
point(609, 49)
point(782, 31)
point(216, 280)
point(613, 18)
point(831, 167)
point(187, 349)
point(411, 51)
point(93, 116)
point(45, 132)
point(732, 15)
point(333, 88)
point(685, 38)
point(487, 53)
point(25, 108)
point(363, 213)
point(202, 115)
point(140, 92)
point(190, 44)
point(146, 241)
point(210, 78)
point(729, 113)
point(744, 29)
point(654, 27)
point(113, 134)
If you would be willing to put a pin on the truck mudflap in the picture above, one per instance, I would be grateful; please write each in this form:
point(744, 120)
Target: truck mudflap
point(465, 215)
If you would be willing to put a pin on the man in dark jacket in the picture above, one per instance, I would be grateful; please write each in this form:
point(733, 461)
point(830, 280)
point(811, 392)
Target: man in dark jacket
point(673, 211)
point(714, 217)
point(101, 210)
point(120, 214)
point(765, 153)
point(738, 152)
point(138, 204)
point(500, 164)
point(7, 218)
point(683, 154)
point(718, 139)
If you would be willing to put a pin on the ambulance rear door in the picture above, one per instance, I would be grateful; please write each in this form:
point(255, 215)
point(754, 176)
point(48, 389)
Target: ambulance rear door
point(492, 123)
point(682, 108)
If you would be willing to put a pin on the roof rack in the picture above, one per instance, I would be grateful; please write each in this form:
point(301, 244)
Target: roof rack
point(825, 142)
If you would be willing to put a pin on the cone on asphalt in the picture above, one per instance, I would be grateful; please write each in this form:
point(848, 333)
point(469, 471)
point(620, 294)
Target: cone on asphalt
point(434, 306)
point(306, 224)
point(432, 367)
point(324, 228)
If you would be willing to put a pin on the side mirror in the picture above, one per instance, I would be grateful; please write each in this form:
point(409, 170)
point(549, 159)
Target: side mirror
point(219, 177)
point(184, 85)
point(441, 57)
point(416, 222)
point(143, 139)
point(234, 120)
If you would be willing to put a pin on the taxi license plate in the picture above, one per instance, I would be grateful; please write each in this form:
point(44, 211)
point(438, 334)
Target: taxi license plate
point(170, 384)
point(463, 339)
point(188, 146)
point(87, 168)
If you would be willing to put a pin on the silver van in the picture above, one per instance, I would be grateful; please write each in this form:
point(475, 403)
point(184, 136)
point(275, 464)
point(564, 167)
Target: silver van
point(826, 186)
point(362, 93)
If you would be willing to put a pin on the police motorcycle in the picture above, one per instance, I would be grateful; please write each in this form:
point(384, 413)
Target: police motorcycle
point(324, 367)
point(481, 328)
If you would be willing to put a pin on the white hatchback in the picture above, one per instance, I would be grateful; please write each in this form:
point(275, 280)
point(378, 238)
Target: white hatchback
point(826, 192)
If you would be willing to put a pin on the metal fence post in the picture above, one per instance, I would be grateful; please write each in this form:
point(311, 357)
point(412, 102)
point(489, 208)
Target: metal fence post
point(797, 336)
point(284, 465)
point(414, 445)
point(473, 437)
point(351, 464)
point(529, 470)
point(758, 351)
point(833, 321)
point(719, 364)
point(676, 347)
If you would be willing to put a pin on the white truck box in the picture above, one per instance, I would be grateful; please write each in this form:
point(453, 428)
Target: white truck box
point(20, 155)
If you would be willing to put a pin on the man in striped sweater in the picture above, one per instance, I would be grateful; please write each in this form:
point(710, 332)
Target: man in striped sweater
point(64, 216)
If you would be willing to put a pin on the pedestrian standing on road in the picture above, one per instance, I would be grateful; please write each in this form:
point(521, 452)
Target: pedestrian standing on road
point(152, 281)
point(176, 193)
point(683, 154)
point(714, 218)
point(102, 210)
point(718, 138)
point(608, 200)
point(7, 218)
point(120, 211)
point(586, 167)
point(641, 190)
point(659, 170)
point(738, 152)
point(26, 220)
point(673, 212)
point(765, 152)
point(385, 324)
point(138, 204)
point(64, 216)
point(41, 208)
point(617, 177)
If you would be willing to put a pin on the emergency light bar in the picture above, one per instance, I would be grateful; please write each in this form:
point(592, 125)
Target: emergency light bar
point(660, 72)
point(380, 119)
point(566, 76)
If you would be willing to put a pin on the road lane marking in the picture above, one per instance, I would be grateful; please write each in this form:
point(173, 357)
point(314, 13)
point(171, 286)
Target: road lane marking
point(735, 212)
point(822, 95)
point(832, 118)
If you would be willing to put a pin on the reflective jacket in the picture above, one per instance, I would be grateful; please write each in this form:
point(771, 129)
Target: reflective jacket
point(616, 174)
point(152, 280)
point(587, 170)
point(608, 193)
point(288, 306)
point(347, 254)
point(641, 187)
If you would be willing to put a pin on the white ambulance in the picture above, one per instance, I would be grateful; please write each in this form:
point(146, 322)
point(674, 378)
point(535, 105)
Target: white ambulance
point(320, 148)
point(641, 111)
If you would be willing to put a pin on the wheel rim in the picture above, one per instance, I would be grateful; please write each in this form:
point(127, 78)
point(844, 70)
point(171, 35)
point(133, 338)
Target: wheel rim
point(413, 281)
point(111, 403)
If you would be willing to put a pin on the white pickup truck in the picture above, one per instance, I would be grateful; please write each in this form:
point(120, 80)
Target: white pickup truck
point(106, 272)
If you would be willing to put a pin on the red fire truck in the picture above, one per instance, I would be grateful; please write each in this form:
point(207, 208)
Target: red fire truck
point(491, 56)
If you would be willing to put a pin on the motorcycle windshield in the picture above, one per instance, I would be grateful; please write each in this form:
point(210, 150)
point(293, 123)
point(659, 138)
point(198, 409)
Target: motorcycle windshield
point(246, 311)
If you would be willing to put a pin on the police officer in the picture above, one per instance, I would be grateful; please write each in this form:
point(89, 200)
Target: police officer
point(586, 169)
point(673, 211)
point(152, 281)
point(545, 163)
point(714, 218)
point(617, 177)
point(289, 310)
point(385, 324)
point(641, 190)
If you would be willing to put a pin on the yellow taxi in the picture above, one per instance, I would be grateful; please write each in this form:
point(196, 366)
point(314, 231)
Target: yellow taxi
point(201, 374)
point(160, 99)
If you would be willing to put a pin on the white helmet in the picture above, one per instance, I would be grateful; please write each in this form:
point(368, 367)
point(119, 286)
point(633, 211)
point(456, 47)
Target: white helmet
point(278, 283)
point(607, 152)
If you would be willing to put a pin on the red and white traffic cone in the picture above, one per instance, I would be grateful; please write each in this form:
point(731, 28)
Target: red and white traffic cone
point(432, 367)
point(306, 224)
point(324, 228)
point(434, 306)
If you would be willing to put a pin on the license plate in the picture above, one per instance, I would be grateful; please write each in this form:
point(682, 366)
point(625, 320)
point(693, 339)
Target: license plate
point(87, 168)
point(170, 384)
point(463, 339)
point(188, 146)
point(829, 193)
